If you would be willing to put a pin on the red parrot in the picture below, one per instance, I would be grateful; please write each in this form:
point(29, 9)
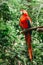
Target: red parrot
point(25, 22)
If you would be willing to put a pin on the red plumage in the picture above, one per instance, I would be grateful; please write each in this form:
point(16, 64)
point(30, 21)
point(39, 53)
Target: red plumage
point(25, 22)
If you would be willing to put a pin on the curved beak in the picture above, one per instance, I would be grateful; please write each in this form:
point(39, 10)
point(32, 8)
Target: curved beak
point(21, 12)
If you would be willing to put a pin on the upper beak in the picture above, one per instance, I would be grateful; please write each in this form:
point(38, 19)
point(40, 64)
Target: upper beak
point(21, 12)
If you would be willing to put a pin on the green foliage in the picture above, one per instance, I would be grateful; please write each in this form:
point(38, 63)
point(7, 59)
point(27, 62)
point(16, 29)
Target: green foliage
point(13, 48)
point(4, 12)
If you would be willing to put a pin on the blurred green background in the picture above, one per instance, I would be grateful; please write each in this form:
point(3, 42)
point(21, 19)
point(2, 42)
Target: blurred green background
point(13, 48)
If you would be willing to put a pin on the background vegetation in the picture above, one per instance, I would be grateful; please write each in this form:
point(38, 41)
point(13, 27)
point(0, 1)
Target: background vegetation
point(13, 49)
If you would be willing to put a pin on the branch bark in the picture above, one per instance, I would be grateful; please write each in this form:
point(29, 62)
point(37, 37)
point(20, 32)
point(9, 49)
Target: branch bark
point(39, 28)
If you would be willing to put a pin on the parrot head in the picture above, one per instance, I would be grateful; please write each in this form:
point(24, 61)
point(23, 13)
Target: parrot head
point(23, 12)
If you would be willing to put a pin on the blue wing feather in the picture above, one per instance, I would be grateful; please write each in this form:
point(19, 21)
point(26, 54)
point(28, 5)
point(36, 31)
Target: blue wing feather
point(29, 25)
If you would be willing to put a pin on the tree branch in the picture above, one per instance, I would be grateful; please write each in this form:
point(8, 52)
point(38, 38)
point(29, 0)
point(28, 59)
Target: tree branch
point(39, 28)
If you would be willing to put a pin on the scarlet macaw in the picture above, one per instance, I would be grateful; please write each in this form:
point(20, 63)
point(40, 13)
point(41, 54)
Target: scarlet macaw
point(25, 22)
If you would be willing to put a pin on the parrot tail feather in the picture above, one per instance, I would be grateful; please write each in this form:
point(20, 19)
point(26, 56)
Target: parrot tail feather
point(28, 41)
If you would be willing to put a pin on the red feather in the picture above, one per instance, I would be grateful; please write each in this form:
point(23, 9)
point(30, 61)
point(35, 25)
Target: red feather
point(28, 41)
point(24, 25)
